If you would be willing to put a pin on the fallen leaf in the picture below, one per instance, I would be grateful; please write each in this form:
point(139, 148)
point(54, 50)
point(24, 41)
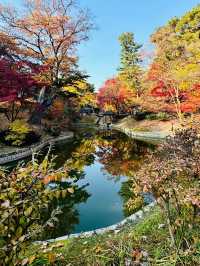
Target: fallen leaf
point(31, 259)
point(137, 255)
point(98, 249)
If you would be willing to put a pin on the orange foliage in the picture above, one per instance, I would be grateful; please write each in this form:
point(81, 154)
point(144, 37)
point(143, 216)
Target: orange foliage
point(57, 108)
point(47, 32)
point(116, 94)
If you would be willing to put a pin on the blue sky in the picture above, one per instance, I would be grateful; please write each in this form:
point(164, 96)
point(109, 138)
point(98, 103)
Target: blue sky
point(100, 55)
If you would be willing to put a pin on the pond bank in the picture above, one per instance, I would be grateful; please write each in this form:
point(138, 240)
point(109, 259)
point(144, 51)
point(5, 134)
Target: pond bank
point(152, 130)
point(15, 154)
point(145, 243)
point(134, 218)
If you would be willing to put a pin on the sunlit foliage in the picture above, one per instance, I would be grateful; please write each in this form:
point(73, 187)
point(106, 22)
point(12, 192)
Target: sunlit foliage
point(174, 71)
point(115, 96)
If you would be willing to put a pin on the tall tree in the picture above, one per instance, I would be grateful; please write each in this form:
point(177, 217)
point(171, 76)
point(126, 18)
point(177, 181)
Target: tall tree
point(47, 32)
point(130, 70)
point(175, 68)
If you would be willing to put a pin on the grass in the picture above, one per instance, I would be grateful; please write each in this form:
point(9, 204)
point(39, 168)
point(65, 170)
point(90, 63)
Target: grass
point(147, 241)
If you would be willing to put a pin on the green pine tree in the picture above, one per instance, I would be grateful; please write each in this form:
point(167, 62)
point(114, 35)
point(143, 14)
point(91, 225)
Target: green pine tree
point(130, 70)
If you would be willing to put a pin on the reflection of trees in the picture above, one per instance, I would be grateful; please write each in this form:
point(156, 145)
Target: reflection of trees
point(121, 156)
point(132, 201)
point(69, 218)
point(83, 154)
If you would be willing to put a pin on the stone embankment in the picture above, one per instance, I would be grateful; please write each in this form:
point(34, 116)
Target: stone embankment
point(146, 136)
point(21, 153)
point(133, 219)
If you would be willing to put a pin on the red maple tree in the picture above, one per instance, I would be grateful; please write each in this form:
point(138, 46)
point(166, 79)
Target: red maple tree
point(115, 94)
point(19, 80)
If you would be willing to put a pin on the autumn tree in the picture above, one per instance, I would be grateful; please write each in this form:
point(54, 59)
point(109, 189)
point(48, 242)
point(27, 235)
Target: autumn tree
point(47, 32)
point(80, 90)
point(130, 70)
point(19, 81)
point(115, 96)
point(175, 68)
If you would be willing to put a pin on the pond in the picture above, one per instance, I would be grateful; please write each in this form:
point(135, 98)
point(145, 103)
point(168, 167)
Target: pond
point(101, 164)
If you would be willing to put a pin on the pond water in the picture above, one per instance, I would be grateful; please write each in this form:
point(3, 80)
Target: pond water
point(101, 164)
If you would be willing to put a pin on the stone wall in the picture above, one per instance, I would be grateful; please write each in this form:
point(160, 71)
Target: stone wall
point(18, 154)
point(157, 136)
point(133, 219)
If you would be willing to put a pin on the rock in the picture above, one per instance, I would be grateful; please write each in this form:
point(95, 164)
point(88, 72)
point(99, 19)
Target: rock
point(139, 214)
point(161, 226)
point(144, 238)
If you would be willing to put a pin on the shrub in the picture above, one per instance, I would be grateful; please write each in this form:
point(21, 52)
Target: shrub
point(18, 131)
point(159, 116)
point(172, 174)
point(24, 198)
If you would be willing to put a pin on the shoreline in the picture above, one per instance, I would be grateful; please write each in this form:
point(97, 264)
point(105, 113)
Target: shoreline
point(18, 154)
point(134, 218)
point(146, 130)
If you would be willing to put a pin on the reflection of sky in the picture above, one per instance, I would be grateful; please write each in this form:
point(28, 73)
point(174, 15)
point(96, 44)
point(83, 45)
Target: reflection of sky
point(104, 207)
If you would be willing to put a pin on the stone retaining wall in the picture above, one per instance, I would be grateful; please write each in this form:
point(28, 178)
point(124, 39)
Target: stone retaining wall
point(142, 135)
point(22, 153)
point(134, 218)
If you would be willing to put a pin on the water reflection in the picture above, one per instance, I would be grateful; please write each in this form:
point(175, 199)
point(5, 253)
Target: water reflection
point(69, 218)
point(100, 167)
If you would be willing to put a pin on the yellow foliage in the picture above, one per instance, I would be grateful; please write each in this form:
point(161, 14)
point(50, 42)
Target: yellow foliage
point(78, 87)
point(19, 127)
point(17, 132)
point(109, 107)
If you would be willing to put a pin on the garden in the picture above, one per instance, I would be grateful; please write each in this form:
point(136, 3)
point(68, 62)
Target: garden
point(97, 176)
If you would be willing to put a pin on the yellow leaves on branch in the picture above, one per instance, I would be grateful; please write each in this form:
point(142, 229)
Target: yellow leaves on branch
point(78, 87)
point(81, 90)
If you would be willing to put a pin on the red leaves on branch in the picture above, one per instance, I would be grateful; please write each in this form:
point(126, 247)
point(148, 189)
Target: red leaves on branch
point(160, 90)
point(18, 79)
point(114, 93)
point(189, 101)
